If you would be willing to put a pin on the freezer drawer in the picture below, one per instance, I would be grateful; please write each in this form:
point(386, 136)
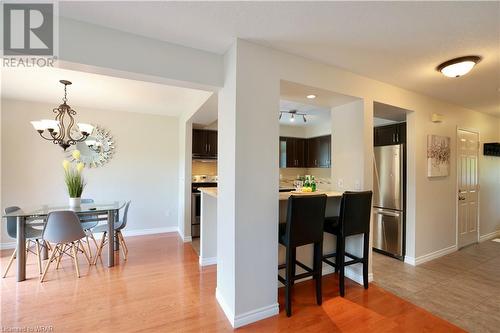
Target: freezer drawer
point(388, 231)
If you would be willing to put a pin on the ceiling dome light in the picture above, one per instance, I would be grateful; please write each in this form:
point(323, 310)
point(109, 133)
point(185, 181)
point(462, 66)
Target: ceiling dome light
point(311, 96)
point(459, 66)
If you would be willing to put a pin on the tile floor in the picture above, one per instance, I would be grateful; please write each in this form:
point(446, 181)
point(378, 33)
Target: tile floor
point(462, 287)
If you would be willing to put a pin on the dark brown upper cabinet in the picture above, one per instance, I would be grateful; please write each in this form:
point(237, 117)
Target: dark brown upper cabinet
point(305, 153)
point(319, 152)
point(389, 134)
point(204, 143)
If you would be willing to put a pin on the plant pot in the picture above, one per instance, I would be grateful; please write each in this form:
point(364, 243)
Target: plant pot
point(75, 202)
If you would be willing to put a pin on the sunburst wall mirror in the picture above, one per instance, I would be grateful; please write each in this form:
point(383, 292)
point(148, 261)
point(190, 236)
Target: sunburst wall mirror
point(97, 149)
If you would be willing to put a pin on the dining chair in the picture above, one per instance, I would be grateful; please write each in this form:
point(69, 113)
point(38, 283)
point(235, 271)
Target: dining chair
point(88, 222)
point(63, 228)
point(118, 226)
point(32, 236)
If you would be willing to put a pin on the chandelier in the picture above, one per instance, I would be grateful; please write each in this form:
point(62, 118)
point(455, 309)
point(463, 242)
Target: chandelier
point(60, 131)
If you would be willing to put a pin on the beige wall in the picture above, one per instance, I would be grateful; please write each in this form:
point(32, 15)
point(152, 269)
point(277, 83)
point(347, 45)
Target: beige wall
point(144, 168)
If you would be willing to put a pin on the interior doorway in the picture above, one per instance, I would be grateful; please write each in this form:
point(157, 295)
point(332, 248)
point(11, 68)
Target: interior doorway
point(468, 187)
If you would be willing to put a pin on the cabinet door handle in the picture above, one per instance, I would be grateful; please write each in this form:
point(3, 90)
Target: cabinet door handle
point(393, 137)
point(209, 147)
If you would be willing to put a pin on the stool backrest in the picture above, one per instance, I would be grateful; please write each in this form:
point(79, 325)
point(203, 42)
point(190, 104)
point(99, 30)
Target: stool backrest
point(355, 212)
point(11, 221)
point(63, 227)
point(305, 219)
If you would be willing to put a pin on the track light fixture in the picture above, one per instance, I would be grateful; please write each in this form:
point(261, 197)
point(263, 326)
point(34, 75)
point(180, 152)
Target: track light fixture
point(293, 113)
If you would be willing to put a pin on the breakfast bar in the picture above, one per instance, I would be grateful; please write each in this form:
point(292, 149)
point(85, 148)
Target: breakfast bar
point(208, 233)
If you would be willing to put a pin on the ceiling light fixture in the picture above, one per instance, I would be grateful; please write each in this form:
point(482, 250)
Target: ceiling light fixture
point(293, 113)
point(459, 66)
point(311, 96)
point(61, 129)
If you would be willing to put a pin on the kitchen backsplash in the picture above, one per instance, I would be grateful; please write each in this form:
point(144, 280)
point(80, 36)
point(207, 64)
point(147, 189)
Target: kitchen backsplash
point(322, 176)
point(208, 168)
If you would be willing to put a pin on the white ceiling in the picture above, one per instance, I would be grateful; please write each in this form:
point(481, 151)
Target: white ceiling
point(315, 115)
point(99, 91)
point(395, 42)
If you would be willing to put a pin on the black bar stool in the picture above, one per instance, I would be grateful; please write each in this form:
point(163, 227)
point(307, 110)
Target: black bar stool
point(354, 219)
point(304, 225)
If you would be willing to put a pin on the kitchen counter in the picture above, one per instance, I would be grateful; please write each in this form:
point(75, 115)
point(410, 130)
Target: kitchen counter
point(212, 191)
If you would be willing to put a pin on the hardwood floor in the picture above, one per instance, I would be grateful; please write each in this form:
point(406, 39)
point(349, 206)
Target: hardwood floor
point(161, 288)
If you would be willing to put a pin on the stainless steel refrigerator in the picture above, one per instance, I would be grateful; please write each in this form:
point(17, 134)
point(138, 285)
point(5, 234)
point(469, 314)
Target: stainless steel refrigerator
point(388, 200)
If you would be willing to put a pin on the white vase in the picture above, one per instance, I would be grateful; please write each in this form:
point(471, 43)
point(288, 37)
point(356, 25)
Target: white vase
point(75, 202)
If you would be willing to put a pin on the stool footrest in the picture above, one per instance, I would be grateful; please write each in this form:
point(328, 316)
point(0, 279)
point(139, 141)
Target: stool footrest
point(304, 267)
point(331, 263)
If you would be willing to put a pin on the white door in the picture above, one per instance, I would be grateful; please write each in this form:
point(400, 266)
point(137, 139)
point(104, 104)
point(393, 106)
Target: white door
point(468, 189)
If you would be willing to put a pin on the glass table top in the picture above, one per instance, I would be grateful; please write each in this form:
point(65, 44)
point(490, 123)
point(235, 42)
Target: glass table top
point(43, 210)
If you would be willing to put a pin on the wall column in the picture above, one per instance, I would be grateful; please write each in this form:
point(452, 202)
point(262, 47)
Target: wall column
point(247, 208)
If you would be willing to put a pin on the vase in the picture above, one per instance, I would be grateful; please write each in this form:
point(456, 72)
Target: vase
point(75, 202)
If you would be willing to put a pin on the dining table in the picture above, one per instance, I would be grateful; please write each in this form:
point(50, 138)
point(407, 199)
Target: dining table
point(106, 211)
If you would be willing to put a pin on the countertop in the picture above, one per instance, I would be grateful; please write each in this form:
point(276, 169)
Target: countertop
point(212, 191)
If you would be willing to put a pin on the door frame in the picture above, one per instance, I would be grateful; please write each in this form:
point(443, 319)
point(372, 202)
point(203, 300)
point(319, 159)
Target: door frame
point(475, 131)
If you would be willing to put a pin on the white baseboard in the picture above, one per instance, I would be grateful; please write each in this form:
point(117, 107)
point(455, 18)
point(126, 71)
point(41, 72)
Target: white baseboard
point(185, 239)
point(151, 231)
point(6, 246)
point(256, 315)
point(430, 256)
point(489, 236)
point(126, 233)
point(247, 317)
point(350, 273)
point(207, 261)
point(227, 310)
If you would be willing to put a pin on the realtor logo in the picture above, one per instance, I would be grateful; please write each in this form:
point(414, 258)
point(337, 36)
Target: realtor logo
point(28, 29)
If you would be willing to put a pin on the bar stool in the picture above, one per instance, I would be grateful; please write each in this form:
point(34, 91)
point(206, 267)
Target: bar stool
point(354, 219)
point(304, 225)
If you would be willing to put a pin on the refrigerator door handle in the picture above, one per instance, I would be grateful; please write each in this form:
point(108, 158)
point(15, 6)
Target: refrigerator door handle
point(387, 213)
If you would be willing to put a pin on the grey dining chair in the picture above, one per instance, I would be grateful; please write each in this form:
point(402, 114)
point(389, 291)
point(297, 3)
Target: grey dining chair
point(118, 226)
point(88, 222)
point(63, 228)
point(32, 236)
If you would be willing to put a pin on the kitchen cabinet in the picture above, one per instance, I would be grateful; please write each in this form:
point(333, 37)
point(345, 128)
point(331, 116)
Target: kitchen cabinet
point(293, 152)
point(305, 153)
point(389, 134)
point(319, 152)
point(204, 143)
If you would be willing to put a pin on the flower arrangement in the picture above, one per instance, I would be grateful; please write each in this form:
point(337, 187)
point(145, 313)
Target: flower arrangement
point(73, 176)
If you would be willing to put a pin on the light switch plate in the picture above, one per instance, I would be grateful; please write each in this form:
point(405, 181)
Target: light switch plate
point(340, 183)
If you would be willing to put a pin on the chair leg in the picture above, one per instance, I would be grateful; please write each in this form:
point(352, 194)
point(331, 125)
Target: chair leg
point(124, 248)
point(81, 247)
point(88, 243)
point(75, 259)
point(340, 264)
point(366, 244)
point(317, 268)
point(293, 265)
point(39, 256)
point(62, 248)
point(289, 283)
point(91, 235)
point(337, 245)
point(52, 255)
point(11, 260)
point(99, 249)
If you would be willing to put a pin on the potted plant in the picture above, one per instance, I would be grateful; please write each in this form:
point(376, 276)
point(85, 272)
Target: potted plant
point(74, 179)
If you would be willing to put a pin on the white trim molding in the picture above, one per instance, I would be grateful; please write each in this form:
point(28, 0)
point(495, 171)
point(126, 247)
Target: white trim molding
point(247, 317)
point(256, 315)
point(185, 239)
point(489, 236)
point(207, 261)
point(126, 233)
point(430, 256)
